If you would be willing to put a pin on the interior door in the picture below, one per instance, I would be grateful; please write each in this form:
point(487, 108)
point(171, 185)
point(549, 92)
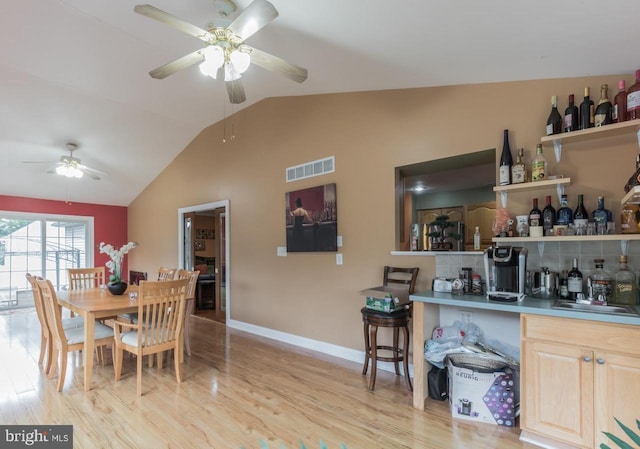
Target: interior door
point(221, 257)
point(188, 245)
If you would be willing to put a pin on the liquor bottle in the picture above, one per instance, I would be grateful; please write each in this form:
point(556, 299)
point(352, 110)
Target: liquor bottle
point(554, 122)
point(634, 180)
point(571, 116)
point(548, 216)
point(602, 282)
point(476, 239)
point(602, 115)
point(574, 281)
point(519, 169)
point(586, 111)
point(633, 99)
point(539, 165)
point(601, 215)
point(505, 161)
point(563, 287)
point(619, 111)
point(625, 288)
point(564, 215)
point(535, 215)
point(580, 215)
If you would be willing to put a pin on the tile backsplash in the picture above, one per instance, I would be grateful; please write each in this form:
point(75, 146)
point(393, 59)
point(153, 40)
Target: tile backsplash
point(557, 256)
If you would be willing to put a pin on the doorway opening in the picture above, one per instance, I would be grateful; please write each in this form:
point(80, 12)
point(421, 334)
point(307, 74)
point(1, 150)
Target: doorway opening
point(203, 242)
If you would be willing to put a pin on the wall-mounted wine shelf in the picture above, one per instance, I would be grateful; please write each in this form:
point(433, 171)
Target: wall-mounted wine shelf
point(591, 133)
point(632, 197)
point(557, 183)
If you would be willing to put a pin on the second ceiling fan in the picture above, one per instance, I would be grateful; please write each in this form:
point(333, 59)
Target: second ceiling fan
point(225, 51)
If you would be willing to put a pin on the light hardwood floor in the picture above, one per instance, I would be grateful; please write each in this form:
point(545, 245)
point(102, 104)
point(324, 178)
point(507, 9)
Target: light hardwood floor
point(237, 390)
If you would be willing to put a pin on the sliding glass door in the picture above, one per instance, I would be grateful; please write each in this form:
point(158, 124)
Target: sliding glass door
point(41, 245)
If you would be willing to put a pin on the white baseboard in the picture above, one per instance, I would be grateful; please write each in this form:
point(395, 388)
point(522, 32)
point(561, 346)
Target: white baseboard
point(314, 345)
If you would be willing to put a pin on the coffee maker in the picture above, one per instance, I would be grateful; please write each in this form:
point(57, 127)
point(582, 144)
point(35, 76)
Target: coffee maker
point(505, 271)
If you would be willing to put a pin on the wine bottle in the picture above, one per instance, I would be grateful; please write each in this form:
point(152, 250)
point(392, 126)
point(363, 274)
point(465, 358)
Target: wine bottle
point(602, 115)
point(619, 111)
point(580, 215)
point(548, 216)
point(506, 161)
point(574, 280)
point(634, 180)
point(539, 165)
point(535, 215)
point(586, 111)
point(563, 287)
point(633, 99)
point(554, 122)
point(519, 169)
point(571, 116)
point(564, 216)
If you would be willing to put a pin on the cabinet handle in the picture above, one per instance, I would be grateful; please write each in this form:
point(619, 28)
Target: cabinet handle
point(600, 361)
point(586, 358)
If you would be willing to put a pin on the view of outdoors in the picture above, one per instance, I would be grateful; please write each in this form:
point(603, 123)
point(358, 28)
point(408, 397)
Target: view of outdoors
point(42, 247)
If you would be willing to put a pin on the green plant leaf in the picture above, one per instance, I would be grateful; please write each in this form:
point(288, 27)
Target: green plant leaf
point(630, 433)
point(604, 446)
point(621, 444)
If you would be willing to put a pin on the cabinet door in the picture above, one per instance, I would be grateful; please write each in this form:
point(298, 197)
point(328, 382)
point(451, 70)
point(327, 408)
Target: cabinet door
point(617, 394)
point(482, 215)
point(557, 392)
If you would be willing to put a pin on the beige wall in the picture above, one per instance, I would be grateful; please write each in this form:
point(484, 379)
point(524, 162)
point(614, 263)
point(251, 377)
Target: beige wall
point(369, 133)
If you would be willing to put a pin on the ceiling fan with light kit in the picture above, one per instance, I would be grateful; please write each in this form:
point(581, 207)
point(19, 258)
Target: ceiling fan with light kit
point(70, 166)
point(225, 50)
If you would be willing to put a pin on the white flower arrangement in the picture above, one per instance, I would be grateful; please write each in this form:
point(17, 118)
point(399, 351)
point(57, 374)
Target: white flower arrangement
point(115, 264)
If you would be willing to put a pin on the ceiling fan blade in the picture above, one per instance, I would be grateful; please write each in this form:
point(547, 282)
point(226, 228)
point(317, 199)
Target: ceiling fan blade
point(270, 62)
point(93, 173)
point(235, 91)
point(174, 66)
point(253, 18)
point(181, 25)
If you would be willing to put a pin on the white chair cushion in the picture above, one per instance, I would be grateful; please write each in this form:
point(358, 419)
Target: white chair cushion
point(76, 335)
point(72, 322)
point(131, 338)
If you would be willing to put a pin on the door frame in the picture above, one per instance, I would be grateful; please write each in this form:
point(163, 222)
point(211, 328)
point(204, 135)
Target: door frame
point(200, 208)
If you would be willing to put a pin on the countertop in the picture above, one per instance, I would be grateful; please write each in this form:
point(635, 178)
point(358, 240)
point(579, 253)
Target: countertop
point(527, 305)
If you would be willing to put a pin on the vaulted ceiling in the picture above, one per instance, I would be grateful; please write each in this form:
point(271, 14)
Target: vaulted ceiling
point(77, 71)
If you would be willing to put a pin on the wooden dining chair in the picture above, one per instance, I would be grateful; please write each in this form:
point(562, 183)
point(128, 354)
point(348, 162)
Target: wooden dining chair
point(46, 340)
point(159, 328)
point(64, 340)
point(86, 277)
point(166, 274)
point(192, 277)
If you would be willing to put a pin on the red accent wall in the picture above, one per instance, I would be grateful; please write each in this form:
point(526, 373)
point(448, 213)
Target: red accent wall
point(110, 222)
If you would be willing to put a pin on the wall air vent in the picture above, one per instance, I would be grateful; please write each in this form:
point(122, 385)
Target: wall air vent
point(310, 169)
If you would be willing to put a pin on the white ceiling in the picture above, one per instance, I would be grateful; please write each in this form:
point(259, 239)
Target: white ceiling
point(77, 70)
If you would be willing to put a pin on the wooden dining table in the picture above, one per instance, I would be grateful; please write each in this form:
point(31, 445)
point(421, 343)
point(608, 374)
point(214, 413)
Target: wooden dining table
point(93, 304)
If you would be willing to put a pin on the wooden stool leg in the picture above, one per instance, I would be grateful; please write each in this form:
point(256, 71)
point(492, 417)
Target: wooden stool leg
point(396, 350)
point(367, 349)
point(374, 356)
point(405, 357)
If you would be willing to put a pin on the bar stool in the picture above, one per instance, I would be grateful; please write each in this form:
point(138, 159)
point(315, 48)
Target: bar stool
point(398, 320)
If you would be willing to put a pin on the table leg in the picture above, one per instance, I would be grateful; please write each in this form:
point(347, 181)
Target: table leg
point(89, 347)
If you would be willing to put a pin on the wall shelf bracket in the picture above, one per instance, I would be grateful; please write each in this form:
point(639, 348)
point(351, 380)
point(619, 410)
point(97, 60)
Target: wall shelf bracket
point(503, 198)
point(624, 247)
point(557, 147)
point(541, 249)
